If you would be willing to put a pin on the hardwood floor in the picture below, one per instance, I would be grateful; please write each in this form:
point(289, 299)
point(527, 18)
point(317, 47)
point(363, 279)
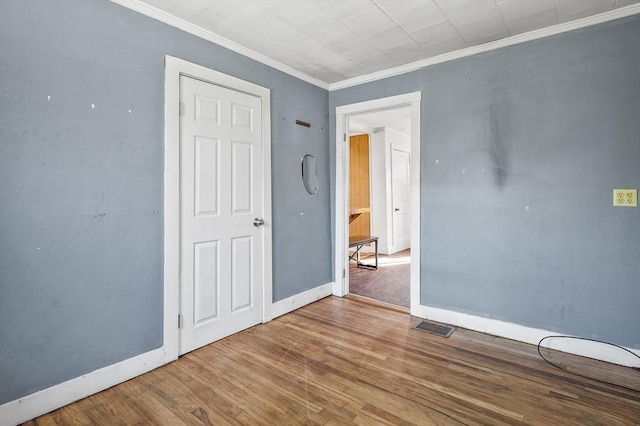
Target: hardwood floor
point(339, 362)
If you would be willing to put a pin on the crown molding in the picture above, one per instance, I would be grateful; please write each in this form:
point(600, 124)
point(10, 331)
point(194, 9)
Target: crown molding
point(622, 12)
point(183, 25)
point(195, 30)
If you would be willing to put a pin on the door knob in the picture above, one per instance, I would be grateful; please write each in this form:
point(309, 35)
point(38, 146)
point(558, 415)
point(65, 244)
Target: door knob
point(396, 209)
point(258, 221)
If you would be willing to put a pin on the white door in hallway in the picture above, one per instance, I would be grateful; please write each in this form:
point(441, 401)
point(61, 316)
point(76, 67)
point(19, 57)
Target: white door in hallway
point(221, 242)
point(401, 202)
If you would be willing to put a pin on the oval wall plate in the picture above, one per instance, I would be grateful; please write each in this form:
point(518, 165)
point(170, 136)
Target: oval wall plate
point(310, 174)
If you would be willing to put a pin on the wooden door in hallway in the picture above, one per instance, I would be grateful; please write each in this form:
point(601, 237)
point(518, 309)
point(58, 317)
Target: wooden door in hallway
point(359, 186)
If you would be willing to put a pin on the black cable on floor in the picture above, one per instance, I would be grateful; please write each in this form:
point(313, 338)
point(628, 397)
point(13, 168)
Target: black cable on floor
point(582, 375)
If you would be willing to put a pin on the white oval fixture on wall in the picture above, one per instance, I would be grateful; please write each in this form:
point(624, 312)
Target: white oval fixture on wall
point(310, 174)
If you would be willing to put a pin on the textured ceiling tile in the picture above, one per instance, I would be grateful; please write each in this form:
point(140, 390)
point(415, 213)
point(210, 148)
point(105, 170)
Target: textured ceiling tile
point(295, 12)
point(276, 31)
point(517, 9)
point(389, 38)
point(471, 12)
point(445, 46)
point(487, 37)
point(449, 4)
point(623, 3)
point(532, 22)
point(481, 29)
point(423, 16)
point(331, 59)
point(408, 52)
point(303, 43)
point(179, 9)
point(370, 22)
point(345, 9)
point(250, 18)
point(393, 7)
point(344, 42)
point(314, 51)
point(326, 74)
point(208, 16)
point(569, 10)
point(570, 6)
point(378, 63)
point(335, 77)
point(278, 52)
point(364, 53)
point(351, 68)
point(215, 13)
point(238, 35)
point(335, 39)
point(435, 34)
point(324, 27)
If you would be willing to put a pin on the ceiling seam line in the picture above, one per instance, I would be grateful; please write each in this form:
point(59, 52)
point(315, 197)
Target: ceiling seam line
point(452, 26)
point(399, 25)
point(495, 2)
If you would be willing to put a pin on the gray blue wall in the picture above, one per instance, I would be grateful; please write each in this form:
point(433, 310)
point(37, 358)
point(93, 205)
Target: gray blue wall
point(81, 188)
point(521, 149)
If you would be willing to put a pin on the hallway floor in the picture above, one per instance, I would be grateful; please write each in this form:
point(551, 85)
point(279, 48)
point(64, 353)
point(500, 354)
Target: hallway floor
point(389, 283)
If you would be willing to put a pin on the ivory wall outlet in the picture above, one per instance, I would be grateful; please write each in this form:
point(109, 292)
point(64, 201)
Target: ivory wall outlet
point(625, 197)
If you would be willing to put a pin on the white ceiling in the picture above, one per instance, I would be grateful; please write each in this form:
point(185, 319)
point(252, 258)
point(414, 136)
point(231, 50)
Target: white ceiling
point(397, 118)
point(336, 40)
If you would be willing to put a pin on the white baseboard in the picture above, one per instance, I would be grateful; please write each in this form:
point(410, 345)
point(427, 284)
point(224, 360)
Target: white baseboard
point(47, 400)
point(529, 335)
point(299, 300)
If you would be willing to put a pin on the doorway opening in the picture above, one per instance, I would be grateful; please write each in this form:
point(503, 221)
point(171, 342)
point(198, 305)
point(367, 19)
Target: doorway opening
point(391, 252)
point(379, 205)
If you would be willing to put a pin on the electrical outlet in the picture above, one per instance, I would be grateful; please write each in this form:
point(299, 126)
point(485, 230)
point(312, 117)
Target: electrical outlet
point(625, 197)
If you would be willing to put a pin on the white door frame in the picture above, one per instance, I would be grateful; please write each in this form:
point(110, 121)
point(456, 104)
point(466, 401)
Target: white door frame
point(341, 283)
point(175, 67)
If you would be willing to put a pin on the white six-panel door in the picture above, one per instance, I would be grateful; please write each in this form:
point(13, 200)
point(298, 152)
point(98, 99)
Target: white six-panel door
point(401, 200)
point(220, 198)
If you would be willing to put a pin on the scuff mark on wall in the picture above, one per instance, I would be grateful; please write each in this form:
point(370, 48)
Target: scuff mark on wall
point(498, 138)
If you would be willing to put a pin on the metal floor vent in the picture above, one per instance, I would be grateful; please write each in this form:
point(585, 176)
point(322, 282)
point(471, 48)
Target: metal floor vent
point(435, 328)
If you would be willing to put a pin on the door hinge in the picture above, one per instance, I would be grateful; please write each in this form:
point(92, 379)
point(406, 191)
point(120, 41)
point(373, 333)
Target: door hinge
point(179, 321)
point(181, 108)
point(344, 137)
point(344, 273)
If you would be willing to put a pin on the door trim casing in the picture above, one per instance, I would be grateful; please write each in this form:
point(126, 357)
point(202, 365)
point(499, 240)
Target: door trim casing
point(341, 285)
point(174, 67)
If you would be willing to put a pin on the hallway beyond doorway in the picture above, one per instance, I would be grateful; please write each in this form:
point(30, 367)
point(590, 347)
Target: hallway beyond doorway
point(390, 283)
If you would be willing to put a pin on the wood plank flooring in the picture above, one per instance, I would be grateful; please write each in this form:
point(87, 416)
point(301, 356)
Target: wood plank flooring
point(341, 362)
